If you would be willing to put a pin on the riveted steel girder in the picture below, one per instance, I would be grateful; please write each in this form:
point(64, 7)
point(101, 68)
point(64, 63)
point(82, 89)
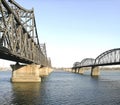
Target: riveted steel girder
point(18, 35)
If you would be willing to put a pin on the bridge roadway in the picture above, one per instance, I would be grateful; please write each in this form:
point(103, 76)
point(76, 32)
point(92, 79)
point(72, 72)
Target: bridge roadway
point(19, 40)
point(110, 57)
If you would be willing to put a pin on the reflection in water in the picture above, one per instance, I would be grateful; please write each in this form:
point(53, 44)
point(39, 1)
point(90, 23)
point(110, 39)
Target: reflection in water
point(25, 93)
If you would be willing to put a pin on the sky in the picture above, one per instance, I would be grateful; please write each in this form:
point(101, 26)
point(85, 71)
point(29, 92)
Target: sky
point(76, 29)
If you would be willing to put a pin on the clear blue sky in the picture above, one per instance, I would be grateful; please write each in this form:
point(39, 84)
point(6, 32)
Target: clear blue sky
point(76, 29)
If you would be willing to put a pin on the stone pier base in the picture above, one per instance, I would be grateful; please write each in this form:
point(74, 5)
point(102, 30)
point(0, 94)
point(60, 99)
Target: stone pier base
point(44, 71)
point(77, 70)
point(95, 71)
point(73, 70)
point(81, 70)
point(25, 73)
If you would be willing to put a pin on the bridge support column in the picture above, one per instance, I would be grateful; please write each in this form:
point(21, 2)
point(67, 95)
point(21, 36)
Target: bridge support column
point(25, 73)
point(95, 71)
point(77, 70)
point(73, 70)
point(44, 71)
point(81, 70)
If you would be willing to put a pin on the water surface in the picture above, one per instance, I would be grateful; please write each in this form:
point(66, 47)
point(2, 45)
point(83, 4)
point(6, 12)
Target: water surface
point(62, 88)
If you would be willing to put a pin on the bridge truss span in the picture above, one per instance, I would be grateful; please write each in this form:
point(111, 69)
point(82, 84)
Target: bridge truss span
point(18, 34)
point(110, 57)
point(87, 62)
point(76, 64)
point(84, 63)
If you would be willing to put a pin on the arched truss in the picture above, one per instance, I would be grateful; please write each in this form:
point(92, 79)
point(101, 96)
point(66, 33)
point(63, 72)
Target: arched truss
point(18, 34)
point(84, 62)
point(109, 57)
point(87, 62)
point(76, 64)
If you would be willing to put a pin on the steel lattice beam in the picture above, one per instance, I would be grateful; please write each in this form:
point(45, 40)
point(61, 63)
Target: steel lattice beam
point(18, 35)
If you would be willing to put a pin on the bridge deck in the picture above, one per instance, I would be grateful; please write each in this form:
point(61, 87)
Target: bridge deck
point(6, 54)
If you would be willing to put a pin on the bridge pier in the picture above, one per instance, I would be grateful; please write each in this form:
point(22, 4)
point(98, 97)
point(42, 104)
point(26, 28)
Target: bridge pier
point(95, 71)
point(76, 70)
point(44, 71)
point(73, 70)
point(29, 73)
point(25, 73)
point(81, 70)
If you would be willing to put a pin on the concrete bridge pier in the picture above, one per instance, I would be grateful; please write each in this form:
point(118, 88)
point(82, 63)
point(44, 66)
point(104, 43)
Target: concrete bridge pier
point(25, 73)
point(95, 71)
point(29, 73)
point(73, 70)
point(81, 70)
point(44, 71)
point(76, 70)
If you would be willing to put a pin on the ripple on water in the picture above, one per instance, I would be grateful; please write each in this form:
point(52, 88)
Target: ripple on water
point(62, 88)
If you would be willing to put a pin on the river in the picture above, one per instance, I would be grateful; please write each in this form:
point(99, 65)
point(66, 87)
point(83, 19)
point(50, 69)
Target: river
point(62, 88)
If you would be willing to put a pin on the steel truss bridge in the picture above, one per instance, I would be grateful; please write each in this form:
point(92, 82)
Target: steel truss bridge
point(110, 57)
point(18, 35)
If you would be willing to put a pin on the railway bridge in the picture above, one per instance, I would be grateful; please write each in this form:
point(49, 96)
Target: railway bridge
point(107, 58)
point(19, 42)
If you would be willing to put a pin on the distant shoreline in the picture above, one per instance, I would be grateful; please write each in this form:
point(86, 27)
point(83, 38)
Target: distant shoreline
point(110, 68)
point(5, 69)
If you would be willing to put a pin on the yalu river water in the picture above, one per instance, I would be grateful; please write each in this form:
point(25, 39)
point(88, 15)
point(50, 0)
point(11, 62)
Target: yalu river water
point(62, 88)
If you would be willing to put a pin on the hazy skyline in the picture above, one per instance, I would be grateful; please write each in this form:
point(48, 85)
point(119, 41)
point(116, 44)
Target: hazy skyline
point(76, 29)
